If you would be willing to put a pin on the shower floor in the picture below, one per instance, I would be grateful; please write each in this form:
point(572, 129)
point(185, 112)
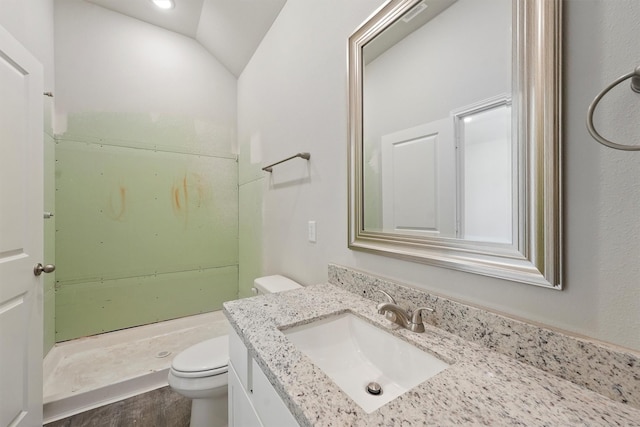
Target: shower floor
point(89, 372)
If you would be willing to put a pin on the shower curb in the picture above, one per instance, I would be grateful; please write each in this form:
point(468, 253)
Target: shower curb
point(56, 409)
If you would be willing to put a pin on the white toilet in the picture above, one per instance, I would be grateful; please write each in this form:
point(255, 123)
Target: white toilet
point(200, 371)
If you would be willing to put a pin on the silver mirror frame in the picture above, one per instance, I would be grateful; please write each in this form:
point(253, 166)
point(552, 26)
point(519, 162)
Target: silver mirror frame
point(536, 255)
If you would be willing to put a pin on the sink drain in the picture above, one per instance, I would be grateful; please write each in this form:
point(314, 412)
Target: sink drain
point(162, 354)
point(374, 388)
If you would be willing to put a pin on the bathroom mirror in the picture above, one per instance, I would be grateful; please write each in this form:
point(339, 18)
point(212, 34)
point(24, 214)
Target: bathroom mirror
point(454, 136)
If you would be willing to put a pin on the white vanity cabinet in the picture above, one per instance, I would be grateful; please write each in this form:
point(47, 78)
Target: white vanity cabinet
point(252, 399)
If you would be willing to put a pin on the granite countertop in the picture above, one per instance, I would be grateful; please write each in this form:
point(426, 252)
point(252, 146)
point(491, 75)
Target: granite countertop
point(481, 387)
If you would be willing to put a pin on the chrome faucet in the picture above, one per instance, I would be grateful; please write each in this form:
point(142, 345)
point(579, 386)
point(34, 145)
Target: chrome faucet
point(398, 315)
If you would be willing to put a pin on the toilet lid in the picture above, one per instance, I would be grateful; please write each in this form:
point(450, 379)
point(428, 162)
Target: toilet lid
point(205, 356)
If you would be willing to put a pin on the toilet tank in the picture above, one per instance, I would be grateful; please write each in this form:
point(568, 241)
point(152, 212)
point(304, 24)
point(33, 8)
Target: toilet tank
point(273, 284)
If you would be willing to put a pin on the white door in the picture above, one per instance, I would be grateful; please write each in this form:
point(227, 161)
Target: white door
point(418, 180)
point(21, 236)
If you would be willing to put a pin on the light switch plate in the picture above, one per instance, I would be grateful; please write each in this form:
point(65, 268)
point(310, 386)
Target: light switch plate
point(312, 231)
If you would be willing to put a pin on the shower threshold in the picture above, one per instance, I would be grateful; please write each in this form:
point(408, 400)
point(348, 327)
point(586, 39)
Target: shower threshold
point(90, 372)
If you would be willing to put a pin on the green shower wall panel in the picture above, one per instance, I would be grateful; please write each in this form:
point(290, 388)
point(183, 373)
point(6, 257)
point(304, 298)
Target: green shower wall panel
point(126, 212)
point(91, 308)
point(135, 229)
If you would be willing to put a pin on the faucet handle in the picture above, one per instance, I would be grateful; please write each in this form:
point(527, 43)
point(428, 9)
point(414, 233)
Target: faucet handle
point(388, 314)
point(416, 316)
point(389, 297)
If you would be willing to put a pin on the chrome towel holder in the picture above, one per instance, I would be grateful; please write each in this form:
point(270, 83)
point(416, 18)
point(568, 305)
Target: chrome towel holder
point(635, 86)
point(269, 168)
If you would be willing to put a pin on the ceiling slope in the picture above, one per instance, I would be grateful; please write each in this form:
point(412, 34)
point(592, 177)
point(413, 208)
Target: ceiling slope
point(231, 30)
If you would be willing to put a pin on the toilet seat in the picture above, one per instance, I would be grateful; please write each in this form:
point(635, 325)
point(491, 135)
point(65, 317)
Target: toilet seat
point(205, 359)
point(200, 374)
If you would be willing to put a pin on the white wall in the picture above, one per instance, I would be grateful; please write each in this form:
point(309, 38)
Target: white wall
point(108, 62)
point(293, 95)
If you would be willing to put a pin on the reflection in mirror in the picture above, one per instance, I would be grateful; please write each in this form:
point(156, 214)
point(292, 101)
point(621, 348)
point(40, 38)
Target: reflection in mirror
point(451, 163)
point(487, 173)
point(415, 154)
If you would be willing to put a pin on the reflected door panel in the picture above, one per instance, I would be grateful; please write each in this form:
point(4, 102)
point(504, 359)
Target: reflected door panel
point(418, 194)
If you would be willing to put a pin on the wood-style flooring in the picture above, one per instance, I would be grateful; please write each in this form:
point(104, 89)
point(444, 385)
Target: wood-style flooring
point(158, 408)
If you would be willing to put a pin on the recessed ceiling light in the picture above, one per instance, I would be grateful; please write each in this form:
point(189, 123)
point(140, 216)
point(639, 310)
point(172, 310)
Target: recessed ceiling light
point(164, 4)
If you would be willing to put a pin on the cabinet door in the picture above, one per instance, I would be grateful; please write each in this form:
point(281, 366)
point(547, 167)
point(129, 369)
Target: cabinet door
point(269, 406)
point(241, 412)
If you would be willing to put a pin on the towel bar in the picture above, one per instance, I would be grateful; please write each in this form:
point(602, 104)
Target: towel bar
point(269, 168)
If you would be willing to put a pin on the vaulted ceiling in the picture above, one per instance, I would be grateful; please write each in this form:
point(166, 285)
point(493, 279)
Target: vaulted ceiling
point(231, 30)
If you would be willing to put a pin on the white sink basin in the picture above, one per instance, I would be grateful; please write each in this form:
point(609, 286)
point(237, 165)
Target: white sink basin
point(354, 353)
